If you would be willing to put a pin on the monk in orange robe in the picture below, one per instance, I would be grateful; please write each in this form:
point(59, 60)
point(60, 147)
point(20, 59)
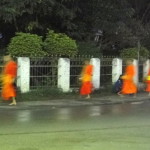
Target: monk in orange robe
point(86, 79)
point(148, 83)
point(129, 86)
point(8, 78)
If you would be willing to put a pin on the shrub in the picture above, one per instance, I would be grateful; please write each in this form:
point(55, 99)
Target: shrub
point(26, 44)
point(89, 48)
point(59, 44)
point(133, 53)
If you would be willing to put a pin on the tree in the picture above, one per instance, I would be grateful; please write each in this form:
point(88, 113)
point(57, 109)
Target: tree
point(123, 23)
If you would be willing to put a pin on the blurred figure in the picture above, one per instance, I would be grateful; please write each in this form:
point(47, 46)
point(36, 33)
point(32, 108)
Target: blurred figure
point(118, 85)
point(147, 81)
point(86, 79)
point(129, 86)
point(8, 80)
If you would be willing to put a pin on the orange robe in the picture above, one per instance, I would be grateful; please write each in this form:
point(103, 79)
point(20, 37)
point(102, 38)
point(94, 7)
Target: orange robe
point(8, 77)
point(129, 86)
point(148, 82)
point(86, 78)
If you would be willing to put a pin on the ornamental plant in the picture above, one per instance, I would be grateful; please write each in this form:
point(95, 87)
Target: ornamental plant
point(133, 53)
point(59, 44)
point(26, 45)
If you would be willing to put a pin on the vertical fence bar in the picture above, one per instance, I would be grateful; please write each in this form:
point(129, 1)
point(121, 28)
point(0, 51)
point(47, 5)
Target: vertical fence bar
point(18, 73)
point(96, 72)
point(24, 74)
point(64, 74)
point(116, 69)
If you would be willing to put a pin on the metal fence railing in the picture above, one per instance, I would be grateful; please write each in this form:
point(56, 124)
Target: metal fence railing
point(43, 72)
point(140, 69)
point(106, 72)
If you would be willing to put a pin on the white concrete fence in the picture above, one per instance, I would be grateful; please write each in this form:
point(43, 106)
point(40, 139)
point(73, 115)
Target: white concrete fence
point(63, 79)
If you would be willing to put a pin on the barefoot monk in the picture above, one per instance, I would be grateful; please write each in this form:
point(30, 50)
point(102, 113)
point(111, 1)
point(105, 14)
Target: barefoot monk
point(8, 79)
point(86, 79)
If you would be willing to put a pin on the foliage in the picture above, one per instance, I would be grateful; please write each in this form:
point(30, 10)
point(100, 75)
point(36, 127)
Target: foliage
point(26, 44)
point(89, 48)
point(59, 44)
point(133, 53)
point(123, 22)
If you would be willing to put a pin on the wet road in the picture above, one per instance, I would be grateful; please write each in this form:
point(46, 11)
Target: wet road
point(105, 127)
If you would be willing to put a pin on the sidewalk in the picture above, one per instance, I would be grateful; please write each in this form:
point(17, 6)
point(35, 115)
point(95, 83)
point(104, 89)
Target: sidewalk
point(57, 103)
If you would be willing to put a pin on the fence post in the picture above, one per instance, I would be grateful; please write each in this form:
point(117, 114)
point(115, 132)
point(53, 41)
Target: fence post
point(116, 69)
point(64, 74)
point(136, 77)
point(146, 67)
point(96, 72)
point(18, 73)
point(23, 73)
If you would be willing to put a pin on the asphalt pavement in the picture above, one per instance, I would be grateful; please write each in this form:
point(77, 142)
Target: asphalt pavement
point(56, 125)
point(70, 102)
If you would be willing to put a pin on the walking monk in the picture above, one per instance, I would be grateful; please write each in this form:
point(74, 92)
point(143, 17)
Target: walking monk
point(8, 78)
point(148, 83)
point(86, 79)
point(129, 86)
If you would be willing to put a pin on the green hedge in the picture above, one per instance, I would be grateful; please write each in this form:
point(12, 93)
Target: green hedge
point(133, 53)
point(59, 44)
point(26, 44)
point(89, 48)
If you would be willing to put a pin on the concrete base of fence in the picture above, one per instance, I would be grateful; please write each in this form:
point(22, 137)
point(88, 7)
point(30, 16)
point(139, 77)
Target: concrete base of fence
point(146, 67)
point(64, 74)
point(116, 69)
point(96, 72)
point(23, 79)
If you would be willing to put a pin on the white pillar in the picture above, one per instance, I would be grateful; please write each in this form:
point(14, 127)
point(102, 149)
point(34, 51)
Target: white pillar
point(64, 74)
point(146, 67)
point(136, 77)
point(96, 72)
point(116, 69)
point(23, 80)
point(18, 73)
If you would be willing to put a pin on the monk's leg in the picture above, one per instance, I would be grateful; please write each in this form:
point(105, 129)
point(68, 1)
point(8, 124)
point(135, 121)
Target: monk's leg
point(88, 96)
point(13, 101)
